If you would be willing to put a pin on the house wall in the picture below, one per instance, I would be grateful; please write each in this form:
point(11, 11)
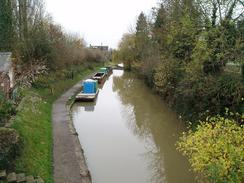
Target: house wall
point(11, 77)
point(5, 84)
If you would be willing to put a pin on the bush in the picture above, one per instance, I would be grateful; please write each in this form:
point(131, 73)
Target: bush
point(6, 109)
point(9, 147)
point(45, 81)
point(41, 82)
point(165, 78)
point(216, 150)
point(197, 94)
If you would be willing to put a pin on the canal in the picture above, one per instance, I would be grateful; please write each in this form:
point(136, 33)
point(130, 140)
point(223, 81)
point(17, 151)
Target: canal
point(129, 135)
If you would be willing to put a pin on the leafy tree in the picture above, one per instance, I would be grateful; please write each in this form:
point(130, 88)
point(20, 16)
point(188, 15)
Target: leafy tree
point(183, 52)
point(126, 52)
point(239, 51)
point(184, 39)
point(141, 37)
point(165, 77)
point(160, 28)
point(6, 25)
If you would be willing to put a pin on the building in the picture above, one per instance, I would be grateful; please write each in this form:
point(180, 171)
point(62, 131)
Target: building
point(6, 73)
point(102, 48)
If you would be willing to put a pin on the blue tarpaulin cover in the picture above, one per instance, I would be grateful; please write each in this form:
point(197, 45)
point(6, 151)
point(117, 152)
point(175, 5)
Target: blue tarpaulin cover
point(90, 86)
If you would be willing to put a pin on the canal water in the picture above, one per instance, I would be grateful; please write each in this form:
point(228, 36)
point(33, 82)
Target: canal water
point(129, 135)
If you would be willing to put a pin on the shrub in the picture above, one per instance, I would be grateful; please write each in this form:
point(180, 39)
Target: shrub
point(197, 94)
point(165, 78)
point(6, 109)
point(9, 147)
point(41, 82)
point(216, 150)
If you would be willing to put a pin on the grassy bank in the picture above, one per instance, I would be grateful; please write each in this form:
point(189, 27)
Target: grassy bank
point(34, 123)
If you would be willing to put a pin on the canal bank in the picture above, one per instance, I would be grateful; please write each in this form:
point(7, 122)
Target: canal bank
point(69, 163)
point(33, 122)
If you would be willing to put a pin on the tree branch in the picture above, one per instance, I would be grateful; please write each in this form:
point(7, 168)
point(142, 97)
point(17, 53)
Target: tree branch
point(220, 12)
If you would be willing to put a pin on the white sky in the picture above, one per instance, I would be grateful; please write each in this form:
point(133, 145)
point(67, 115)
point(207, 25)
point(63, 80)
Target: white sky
point(98, 21)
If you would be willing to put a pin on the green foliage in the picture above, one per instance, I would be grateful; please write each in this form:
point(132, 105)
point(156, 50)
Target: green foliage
point(183, 38)
point(215, 150)
point(41, 82)
point(183, 53)
point(141, 37)
point(10, 146)
point(34, 39)
point(40, 46)
point(197, 95)
point(160, 28)
point(7, 109)
point(127, 50)
point(34, 121)
point(165, 77)
point(6, 25)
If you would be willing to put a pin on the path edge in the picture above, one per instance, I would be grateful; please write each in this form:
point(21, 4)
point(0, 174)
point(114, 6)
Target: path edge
point(84, 170)
point(67, 101)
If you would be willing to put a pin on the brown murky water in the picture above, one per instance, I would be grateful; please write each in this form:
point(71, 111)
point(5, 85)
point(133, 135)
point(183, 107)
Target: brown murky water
point(129, 135)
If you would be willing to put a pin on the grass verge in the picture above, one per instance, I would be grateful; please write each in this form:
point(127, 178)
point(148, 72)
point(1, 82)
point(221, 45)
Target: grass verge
point(34, 123)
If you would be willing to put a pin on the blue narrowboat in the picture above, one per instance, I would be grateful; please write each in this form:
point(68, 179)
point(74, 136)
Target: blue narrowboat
point(89, 91)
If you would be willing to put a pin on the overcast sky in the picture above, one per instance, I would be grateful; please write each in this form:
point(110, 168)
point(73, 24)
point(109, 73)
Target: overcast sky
point(98, 21)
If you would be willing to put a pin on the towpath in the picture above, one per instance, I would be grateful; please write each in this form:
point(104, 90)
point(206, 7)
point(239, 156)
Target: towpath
point(68, 160)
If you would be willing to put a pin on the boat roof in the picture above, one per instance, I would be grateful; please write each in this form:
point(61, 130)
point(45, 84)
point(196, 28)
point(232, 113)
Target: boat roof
point(90, 80)
point(103, 68)
point(121, 65)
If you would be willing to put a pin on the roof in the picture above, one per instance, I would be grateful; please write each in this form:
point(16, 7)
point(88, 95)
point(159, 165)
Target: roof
point(102, 48)
point(5, 61)
point(90, 80)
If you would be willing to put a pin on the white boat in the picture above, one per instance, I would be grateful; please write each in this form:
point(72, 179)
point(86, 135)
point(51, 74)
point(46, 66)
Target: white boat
point(89, 91)
point(86, 97)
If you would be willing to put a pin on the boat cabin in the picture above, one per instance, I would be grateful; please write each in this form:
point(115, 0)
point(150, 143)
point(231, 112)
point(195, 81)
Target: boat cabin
point(100, 77)
point(90, 86)
point(103, 70)
point(89, 91)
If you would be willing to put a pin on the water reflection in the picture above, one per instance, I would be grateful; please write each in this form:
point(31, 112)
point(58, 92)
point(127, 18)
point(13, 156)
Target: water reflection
point(87, 106)
point(157, 125)
point(129, 135)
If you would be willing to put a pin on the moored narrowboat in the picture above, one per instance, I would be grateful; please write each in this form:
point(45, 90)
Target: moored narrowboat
point(119, 67)
point(100, 77)
point(103, 70)
point(89, 91)
point(109, 71)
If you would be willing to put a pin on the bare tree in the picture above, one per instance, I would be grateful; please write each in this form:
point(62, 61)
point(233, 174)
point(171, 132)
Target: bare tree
point(219, 10)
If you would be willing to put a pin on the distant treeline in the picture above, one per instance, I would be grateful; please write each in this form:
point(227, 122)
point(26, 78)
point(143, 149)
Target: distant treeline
point(27, 30)
point(183, 49)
